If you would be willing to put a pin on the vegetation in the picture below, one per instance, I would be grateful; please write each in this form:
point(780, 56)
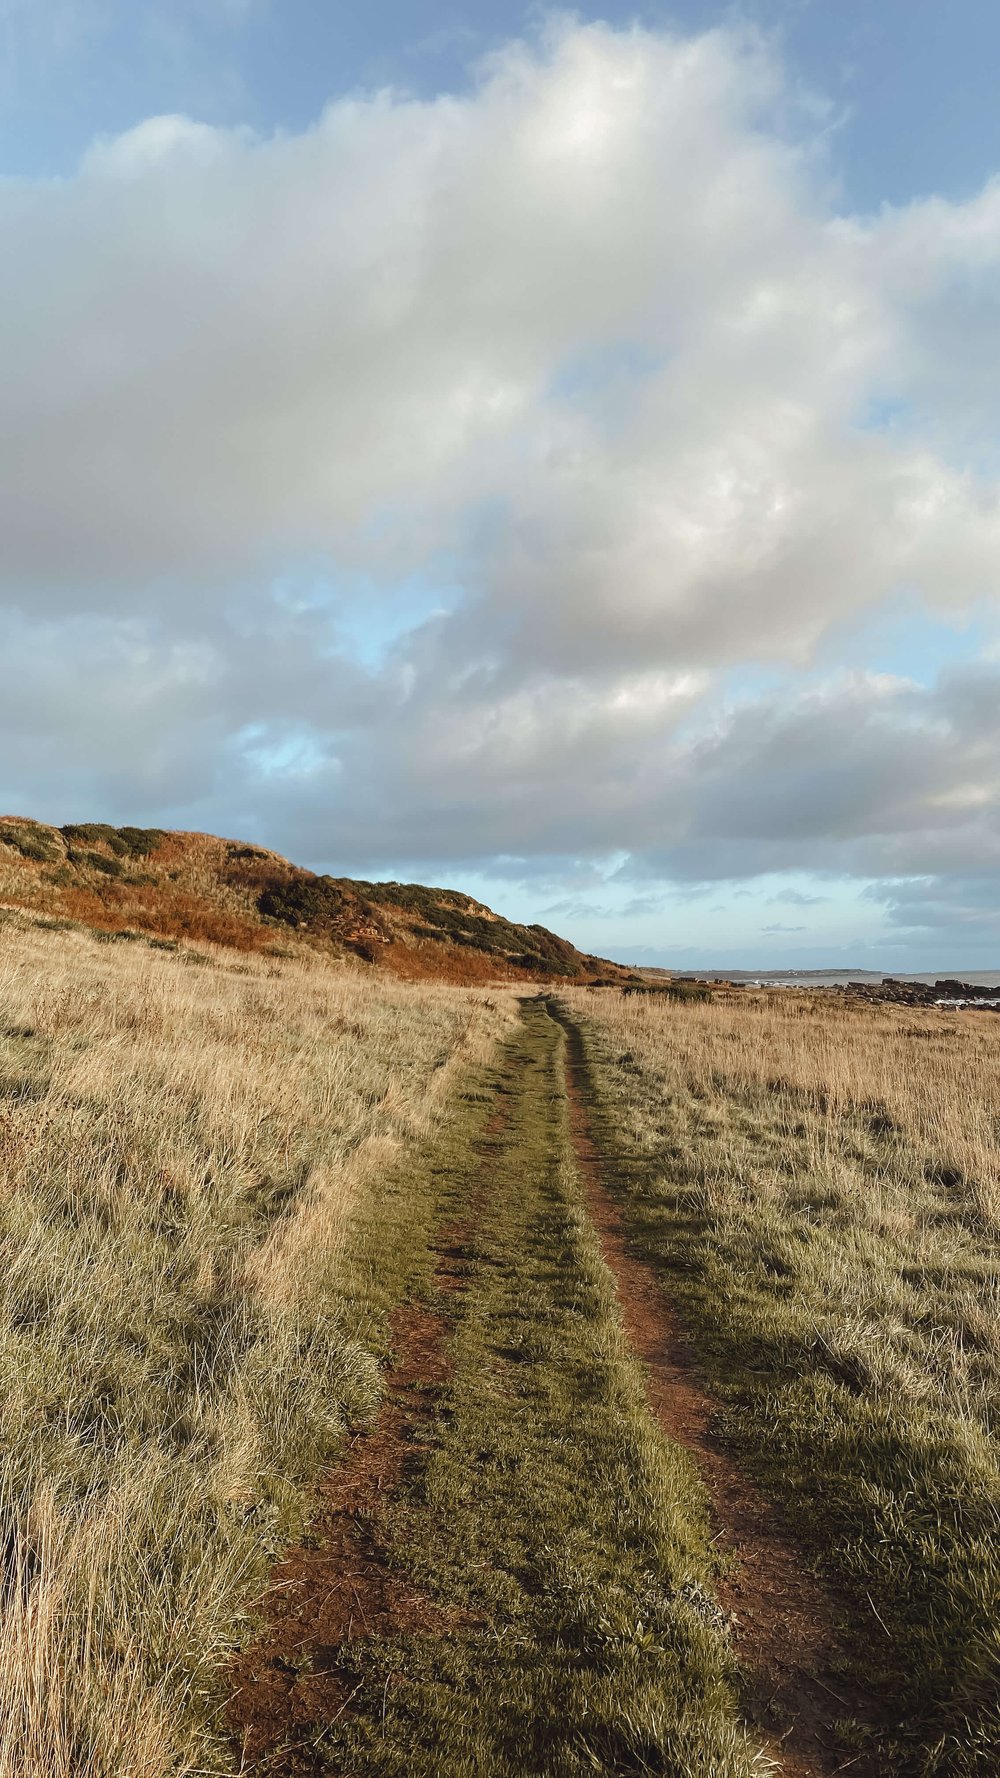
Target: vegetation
point(182, 1158)
point(560, 1538)
point(217, 1188)
point(224, 1176)
point(303, 901)
point(679, 990)
point(194, 887)
point(30, 840)
point(449, 917)
point(819, 1182)
point(124, 842)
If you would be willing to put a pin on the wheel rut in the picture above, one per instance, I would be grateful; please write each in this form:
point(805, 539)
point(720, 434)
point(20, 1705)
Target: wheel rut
point(783, 1617)
point(338, 1585)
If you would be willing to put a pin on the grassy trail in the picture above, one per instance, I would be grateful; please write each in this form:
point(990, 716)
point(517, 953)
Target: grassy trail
point(514, 1572)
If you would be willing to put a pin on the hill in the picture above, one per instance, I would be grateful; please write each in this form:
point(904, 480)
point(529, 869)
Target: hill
point(193, 887)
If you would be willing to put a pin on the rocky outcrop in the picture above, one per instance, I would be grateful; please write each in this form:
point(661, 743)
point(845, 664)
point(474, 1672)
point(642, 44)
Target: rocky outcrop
point(903, 993)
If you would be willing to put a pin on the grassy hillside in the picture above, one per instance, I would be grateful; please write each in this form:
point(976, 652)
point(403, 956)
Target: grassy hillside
point(188, 886)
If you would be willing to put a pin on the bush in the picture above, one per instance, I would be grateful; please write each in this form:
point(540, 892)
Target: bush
point(110, 867)
point(86, 860)
point(88, 833)
point(124, 842)
point(30, 840)
point(302, 901)
point(139, 842)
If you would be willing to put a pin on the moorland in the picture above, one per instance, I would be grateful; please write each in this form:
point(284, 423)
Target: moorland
point(500, 1373)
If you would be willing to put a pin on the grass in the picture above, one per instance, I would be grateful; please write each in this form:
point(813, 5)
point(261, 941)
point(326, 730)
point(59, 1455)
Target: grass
point(220, 1174)
point(563, 1538)
point(819, 1182)
point(187, 1157)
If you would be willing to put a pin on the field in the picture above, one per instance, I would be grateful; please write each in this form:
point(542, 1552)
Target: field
point(818, 1182)
point(406, 1380)
point(185, 1139)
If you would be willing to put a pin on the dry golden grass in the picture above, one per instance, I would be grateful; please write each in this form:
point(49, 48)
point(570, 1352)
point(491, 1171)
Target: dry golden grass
point(934, 1075)
point(821, 1179)
point(184, 1141)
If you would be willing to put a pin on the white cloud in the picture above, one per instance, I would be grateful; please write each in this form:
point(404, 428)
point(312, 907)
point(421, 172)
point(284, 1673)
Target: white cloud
point(589, 343)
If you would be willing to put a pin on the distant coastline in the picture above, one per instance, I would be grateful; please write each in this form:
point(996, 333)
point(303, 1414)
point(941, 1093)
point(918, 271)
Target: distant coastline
point(829, 978)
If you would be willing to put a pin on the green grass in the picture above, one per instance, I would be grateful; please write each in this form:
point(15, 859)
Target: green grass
point(844, 1304)
point(551, 1521)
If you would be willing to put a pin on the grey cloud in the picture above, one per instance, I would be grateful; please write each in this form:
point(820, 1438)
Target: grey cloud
point(960, 911)
point(796, 899)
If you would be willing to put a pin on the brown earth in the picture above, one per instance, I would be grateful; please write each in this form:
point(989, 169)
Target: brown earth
point(338, 1585)
point(783, 1617)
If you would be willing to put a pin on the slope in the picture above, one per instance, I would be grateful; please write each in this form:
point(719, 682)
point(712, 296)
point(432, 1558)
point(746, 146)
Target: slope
point(177, 887)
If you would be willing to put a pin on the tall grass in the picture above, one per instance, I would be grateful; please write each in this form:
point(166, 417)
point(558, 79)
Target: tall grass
point(932, 1076)
point(184, 1138)
point(819, 1179)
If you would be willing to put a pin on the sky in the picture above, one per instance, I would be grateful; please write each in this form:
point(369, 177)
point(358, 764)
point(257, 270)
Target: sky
point(552, 454)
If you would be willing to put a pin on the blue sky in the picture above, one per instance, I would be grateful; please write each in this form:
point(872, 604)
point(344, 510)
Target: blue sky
point(909, 85)
point(549, 453)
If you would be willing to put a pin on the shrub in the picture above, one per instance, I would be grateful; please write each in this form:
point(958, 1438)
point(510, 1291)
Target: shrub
point(125, 842)
point(31, 840)
point(87, 860)
point(110, 867)
point(139, 842)
point(88, 833)
point(302, 901)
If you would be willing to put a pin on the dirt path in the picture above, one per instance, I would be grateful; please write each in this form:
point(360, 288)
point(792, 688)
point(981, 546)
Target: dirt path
point(784, 1618)
point(338, 1585)
point(339, 1595)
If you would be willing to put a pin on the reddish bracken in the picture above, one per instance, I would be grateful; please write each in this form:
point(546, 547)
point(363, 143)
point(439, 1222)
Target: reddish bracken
point(193, 888)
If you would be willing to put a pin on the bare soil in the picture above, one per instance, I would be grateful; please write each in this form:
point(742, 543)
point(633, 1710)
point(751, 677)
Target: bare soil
point(336, 1585)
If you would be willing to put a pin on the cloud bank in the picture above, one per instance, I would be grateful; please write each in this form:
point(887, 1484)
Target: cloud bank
point(419, 487)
